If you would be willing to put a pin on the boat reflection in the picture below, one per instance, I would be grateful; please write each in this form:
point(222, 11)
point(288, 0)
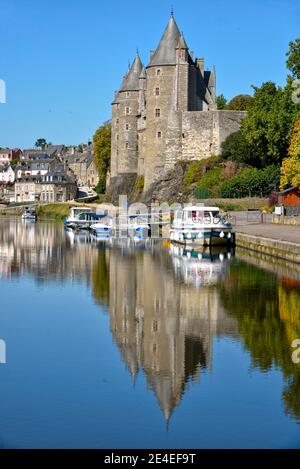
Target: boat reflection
point(200, 267)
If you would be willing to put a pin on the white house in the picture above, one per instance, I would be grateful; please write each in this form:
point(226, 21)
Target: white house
point(7, 175)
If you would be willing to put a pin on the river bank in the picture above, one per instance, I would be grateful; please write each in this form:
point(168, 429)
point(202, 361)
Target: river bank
point(279, 241)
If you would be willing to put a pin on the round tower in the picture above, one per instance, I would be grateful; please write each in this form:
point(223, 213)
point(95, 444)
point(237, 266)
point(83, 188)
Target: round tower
point(125, 107)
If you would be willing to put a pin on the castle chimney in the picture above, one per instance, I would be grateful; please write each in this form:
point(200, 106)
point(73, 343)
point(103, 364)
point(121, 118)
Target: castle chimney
point(200, 65)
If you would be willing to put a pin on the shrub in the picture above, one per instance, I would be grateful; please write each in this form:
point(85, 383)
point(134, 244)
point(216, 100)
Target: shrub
point(101, 186)
point(196, 169)
point(139, 183)
point(251, 182)
point(209, 183)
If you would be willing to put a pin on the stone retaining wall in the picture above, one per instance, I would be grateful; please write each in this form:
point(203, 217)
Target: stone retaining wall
point(273, 247)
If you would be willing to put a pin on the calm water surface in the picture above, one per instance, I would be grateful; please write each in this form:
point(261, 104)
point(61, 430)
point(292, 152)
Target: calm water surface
point(121, 346)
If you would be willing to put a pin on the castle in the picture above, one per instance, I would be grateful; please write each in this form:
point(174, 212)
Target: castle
point(166, 112)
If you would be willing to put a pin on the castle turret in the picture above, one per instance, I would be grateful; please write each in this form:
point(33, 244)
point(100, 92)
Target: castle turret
point(124, 150)
point(161, 75)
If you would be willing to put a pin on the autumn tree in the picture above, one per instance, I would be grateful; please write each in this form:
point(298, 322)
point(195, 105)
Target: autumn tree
point(290, 169)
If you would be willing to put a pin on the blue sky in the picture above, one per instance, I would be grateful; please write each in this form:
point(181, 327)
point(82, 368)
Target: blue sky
point(63, 59)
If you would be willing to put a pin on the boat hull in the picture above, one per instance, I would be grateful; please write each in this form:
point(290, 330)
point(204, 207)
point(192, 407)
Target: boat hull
point(205, 237)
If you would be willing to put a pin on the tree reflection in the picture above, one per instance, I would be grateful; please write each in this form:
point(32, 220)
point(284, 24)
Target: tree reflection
point(268, 312)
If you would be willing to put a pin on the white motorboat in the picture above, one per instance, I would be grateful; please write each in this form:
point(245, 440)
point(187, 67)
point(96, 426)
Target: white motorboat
point(200, 225)
point(81, 218)
point(104, 227)
point(29, 214)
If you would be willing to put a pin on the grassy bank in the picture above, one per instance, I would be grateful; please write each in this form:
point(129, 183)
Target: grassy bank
point(237, 204)
point(54, 211)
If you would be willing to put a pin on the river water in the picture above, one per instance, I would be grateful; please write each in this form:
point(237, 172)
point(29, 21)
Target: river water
point(123, 345)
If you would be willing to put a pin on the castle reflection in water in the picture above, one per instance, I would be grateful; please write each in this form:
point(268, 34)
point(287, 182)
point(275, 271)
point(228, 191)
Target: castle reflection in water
point(166, 305)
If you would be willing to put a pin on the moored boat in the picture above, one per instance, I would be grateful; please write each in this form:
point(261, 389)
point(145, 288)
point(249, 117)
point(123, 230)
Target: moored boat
point(103, 227)
point(29, 214)
point(197, 225)
point(81, 218)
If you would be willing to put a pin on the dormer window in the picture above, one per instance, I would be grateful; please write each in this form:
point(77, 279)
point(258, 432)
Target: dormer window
point(158, 72)
point(157, 91)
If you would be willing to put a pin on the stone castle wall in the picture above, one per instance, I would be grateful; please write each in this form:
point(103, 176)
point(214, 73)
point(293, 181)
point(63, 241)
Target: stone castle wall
point(203, 132)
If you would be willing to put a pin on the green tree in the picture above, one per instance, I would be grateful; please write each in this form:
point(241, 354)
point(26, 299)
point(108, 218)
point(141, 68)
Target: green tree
point(41, 143)
point(240, 102)
point(102, 150)
point(221, 101)
point(269, 120)
point(236, 148)
point(293, 58)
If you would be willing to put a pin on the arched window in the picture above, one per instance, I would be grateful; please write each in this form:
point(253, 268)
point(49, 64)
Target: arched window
point(158, 72)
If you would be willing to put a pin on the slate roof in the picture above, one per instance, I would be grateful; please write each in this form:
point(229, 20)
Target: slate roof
point(165, 53)
point(131, 79)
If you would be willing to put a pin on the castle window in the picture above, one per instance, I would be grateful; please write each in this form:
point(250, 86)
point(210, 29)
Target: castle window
point(127, 145)
point(157, 92)
point(118, 105)
point(127, 94)
point(117, 136)
point(159, 134)
point(158, 72)
point(117, 121)
point(117, 152)
point(127, 111)
point(157, 112)
point(126, 126)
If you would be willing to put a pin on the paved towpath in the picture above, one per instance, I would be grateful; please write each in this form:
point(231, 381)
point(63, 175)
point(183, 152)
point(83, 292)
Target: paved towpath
point(268, 230)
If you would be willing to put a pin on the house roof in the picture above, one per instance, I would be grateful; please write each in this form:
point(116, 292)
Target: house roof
point(290, 189)
point(165, 53)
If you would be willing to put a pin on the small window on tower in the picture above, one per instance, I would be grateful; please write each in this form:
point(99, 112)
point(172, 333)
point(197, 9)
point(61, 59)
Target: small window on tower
point(117, 121)
point(127, 110)
point(126, 126)
point(127, 145)
point(159, 134)
point(157, 112)
point(118, 105)
point(117, 137)
point(157, 92)
point(158, 72)
point(127, 94)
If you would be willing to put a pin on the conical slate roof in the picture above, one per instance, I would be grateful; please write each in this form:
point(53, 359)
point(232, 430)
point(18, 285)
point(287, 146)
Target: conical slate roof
point(181, 43)
point(165, 53)
point(143, 73)
point(131, 80)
